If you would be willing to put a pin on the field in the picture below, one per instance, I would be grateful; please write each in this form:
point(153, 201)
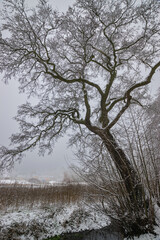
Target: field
point(32, 212)
point(15, 195)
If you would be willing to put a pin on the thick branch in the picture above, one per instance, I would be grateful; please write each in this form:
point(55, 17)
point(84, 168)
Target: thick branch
point(143, 83)
point(124, 108)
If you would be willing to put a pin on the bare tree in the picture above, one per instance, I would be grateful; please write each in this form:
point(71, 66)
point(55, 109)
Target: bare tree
point(86, 66)
point(99, 171)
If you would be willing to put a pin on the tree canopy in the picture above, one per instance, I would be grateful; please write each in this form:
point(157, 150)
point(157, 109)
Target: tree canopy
point(87, 66)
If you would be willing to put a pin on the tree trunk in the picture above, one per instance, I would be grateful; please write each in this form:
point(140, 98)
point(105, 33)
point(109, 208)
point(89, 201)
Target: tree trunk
point(138, 217)
point(125, 168)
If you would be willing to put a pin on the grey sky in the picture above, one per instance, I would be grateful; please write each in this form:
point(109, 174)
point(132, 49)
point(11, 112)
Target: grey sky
point(33, 165)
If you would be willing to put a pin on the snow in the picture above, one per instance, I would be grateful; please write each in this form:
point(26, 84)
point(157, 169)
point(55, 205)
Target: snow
point(157, 229)
point(43, 222)
point(10, 181)
point(149, 236)
point(25, 182)
point(40, 223)
point(47, 222)
point(53, 182)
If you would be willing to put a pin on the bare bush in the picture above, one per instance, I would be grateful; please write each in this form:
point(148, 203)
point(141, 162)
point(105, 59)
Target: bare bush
point(113, 197)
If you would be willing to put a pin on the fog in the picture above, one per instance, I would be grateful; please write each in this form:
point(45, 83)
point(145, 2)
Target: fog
point(53, 165)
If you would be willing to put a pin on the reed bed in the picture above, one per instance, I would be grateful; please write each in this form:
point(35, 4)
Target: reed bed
point(16, 195)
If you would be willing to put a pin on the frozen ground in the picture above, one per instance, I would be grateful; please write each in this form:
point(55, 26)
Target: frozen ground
point(157, 228)
point(25, 182)
point(41, 223)
point(9, 181)
point(37, 223)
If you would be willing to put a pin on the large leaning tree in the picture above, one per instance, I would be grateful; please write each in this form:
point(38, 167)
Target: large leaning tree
point(86, 66)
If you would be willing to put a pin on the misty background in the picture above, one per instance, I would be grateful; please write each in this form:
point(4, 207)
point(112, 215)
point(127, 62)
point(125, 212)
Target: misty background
point(33, 165)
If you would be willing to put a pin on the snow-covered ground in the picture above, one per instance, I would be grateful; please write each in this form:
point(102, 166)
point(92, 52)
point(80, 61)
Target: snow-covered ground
point(157, 229)
point(149, 236)
point(27, 182)
point(13, 181)
point(42, 223)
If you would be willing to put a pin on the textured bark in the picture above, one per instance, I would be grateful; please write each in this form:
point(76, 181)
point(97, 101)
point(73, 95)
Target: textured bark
point(125, 168)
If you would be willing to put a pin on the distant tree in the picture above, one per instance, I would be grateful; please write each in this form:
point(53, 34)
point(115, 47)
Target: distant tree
point(67, 178)
point(87, 67)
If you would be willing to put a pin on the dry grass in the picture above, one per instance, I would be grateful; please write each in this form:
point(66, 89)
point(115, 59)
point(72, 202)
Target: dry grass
point(16, 196)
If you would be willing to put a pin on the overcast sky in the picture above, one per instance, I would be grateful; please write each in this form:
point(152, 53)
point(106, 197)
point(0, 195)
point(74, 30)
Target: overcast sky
point(33, 165)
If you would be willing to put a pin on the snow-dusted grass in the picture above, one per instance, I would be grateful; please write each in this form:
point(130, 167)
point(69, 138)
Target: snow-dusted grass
point(33, 220)
point(149, 236)
point(29, 212)
point(157, 228)
point(42, 223)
